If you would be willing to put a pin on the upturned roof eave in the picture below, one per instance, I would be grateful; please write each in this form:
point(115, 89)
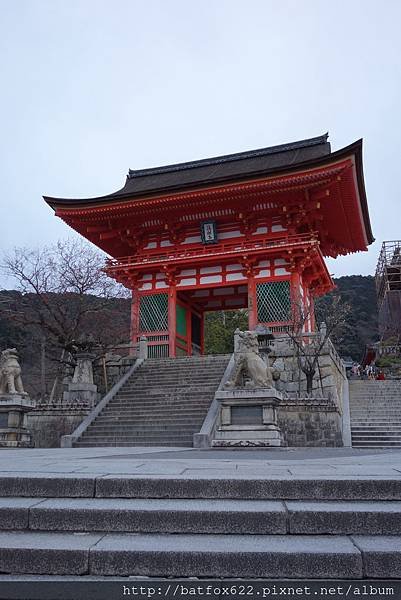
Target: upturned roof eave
point(354, 149)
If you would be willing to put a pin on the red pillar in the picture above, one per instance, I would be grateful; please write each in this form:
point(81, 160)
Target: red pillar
point(135, 302)
point(295, 296)
point(202, 328)
point(189, 330)
point(252, 303)
point(311, 311)
point(172, 319)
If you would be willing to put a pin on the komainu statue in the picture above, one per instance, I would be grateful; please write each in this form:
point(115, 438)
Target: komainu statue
point(10, 373)
point(248, 361)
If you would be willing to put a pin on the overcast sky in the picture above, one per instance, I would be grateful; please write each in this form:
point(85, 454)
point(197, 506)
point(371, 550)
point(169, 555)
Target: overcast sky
point(92, 88)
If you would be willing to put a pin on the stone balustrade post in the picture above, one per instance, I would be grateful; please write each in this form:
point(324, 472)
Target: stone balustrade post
point(143, 347)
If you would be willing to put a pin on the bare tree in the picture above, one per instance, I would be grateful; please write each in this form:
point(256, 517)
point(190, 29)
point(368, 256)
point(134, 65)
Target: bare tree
point(65, 293)
point(331, 315)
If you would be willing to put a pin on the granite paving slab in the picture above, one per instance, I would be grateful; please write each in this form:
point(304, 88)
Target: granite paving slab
point(167, 516)
point(47, 484)
point(14, 512)
point(226, 556)
point(47, 553)
point(250, 487)
point(378, 518)
point(381, 555)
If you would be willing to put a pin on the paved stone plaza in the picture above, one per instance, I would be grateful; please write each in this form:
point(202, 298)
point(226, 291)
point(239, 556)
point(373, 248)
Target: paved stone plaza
point(180, 512)
point(184, 462)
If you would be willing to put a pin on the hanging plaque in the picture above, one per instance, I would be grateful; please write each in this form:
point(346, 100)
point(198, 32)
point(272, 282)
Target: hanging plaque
point(209, 232)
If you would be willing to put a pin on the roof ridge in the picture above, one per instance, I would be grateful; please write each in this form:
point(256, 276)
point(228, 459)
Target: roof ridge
point(204, 162)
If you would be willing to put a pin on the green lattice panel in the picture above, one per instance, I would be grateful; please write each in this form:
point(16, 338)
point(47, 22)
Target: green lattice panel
point(153, 315)
point(181, 320)
point(273, 301)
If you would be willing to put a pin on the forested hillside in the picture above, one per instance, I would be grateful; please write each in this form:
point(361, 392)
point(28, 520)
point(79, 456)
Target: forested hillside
point(360, 329)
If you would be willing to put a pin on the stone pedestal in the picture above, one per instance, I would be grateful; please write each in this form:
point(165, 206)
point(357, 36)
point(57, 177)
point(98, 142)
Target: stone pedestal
point(248, 417)
point(82, 392)
point(13, 431)
point(83, 371)
point(80, 395)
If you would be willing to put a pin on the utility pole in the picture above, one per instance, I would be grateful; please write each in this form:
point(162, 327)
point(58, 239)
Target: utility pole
point(43, 368)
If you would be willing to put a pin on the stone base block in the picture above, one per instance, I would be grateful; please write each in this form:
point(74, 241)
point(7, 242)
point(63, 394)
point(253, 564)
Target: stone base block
point(81, 394)
point(20, 402)
point(244, 443)
point(257, 436)
point(248, 417)
point(13, 411)
point(15, 438)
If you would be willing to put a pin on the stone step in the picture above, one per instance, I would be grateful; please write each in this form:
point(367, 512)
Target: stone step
point(165, 403)
point(378, 413)
point(193, 358)
point(164, 400)
point(375, 422)
point(161, 391)
point(151, 425)
point(386, 430)
point(143, 428)
point(155, 373)
point(201, 516)
point(130, 436)
point(377, 403)
point(185, 410)
point(377, 406)
point(374, 429)
point(166, 418)
point(374, 444)
point(186, 555)
point(138, 441)
point(157, 390)
point(143, 444)
point(153, 411)
point(386, 400)
point(139, 433)
point(376, 438)
point(159, 413)
point(186, 404)
point(206, 485)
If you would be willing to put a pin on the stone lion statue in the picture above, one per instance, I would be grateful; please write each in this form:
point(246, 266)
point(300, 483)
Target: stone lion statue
point(248, 360)
point(10, 373)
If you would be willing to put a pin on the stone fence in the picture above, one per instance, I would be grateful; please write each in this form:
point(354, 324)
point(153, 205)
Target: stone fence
point(51, 420)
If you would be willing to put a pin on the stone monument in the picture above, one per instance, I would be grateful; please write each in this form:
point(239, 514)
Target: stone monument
point(82, 391)
point(14, 403)
point(248, 415)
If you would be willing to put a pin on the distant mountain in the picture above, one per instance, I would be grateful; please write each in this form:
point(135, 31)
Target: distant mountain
point(361, 327)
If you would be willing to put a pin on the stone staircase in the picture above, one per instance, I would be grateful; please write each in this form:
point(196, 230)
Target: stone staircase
point(163, 403)
point(375, 408)
point(175, 526)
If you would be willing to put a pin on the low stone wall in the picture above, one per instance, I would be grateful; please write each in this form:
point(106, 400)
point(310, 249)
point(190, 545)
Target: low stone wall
point(329, 378)
point(50, 421)
point(310, 422)
point(116, 366)
point(47, 426)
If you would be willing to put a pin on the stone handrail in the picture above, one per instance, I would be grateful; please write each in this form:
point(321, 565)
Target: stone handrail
point(204, 437)
point(68, 440)
point(336, 358)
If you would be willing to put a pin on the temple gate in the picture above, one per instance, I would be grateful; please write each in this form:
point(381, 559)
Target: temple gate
point(247, 230)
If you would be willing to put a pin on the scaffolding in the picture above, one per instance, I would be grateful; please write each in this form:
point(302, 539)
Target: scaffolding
point(388, 288)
